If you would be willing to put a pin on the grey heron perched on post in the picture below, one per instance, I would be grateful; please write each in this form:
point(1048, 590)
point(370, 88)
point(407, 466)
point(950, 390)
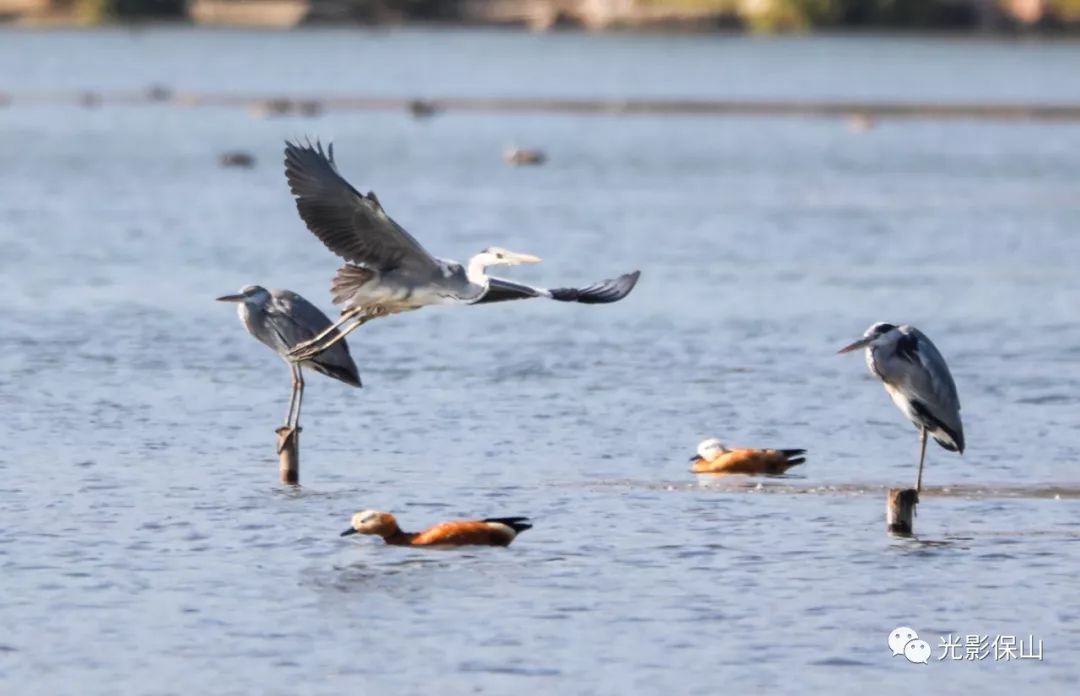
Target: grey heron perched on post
point(282, 320)
point(918, 381)
point(386, 270)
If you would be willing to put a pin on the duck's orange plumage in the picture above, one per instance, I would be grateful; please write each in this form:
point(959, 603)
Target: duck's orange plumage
point(495, 531)
point(714, 458)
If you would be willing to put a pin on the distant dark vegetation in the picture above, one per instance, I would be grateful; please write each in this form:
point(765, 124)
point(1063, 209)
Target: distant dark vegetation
point(755, 15)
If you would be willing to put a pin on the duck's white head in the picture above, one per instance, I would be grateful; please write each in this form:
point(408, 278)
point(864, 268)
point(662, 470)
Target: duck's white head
point(710, 449)
point(372, 522)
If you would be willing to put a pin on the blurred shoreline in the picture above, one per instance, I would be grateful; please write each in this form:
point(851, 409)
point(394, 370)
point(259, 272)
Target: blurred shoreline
point(1036, 18)
point(861, 115)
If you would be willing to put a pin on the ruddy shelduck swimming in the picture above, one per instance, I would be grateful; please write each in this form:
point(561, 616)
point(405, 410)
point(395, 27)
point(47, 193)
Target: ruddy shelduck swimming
point(713, 458)
point(494, 531)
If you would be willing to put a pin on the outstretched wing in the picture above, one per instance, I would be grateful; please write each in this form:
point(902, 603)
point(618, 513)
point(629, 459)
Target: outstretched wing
point(350, 224)
point(603, 292)
point(295, 320)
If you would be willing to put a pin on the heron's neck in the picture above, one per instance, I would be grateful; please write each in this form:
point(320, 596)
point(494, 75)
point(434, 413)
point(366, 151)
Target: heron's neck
point(244, 311)
point(477, 271)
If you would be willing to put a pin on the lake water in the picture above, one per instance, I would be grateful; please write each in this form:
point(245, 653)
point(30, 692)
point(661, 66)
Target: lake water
point(146, 548)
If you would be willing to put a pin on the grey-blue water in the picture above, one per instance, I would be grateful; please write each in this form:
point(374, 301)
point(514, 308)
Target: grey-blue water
point(146, 548)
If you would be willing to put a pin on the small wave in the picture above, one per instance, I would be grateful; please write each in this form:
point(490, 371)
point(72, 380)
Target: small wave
point(1051, 399)
point(509, 669)
point(788, 486)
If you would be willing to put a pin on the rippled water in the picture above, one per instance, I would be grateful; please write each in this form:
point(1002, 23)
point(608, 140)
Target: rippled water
point(146, 548)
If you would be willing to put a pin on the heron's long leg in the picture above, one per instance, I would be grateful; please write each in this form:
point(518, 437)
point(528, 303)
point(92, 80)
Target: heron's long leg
point(298, 381)
point(292, 397)
point(922, 458)
point(307, 345)
point(313, 350)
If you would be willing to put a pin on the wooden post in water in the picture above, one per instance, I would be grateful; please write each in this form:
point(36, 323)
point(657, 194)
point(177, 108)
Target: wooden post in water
point(900, 511)
point(288, 447)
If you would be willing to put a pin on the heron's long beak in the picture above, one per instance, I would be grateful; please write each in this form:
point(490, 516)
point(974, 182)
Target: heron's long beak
point(231, 298)
point(696, 457)
point(348, 531)
point(517, 258)
point(861, 343)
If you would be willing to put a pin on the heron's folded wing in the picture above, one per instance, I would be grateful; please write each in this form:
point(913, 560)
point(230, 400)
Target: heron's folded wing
point(303, 319)
point(295, 320)
point(924, 376)
point(350, 224)
point(934, 376)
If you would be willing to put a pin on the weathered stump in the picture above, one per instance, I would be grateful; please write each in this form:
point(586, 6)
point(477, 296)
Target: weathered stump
point(288, 447)
point(900, 511)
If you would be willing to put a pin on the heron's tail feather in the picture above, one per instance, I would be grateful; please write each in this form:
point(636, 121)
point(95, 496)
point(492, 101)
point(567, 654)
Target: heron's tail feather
point(796, 461)
point(343, 373)
point(602, 292)
point(791, 452)
point(948, 441)
point(348, 280)
point(951, 438)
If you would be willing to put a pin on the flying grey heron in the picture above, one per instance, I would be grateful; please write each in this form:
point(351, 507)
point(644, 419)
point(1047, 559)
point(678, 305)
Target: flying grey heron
point(918, 381)
point(386, 270)
point(281, 319)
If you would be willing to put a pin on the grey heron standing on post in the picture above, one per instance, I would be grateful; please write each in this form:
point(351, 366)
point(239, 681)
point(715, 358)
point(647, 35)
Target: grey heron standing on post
point(282, 320)
point(386, 270)
point(918, 381)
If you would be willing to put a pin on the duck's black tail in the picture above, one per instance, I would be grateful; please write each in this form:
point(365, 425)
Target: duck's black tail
point(793, 456)
point(518, 524)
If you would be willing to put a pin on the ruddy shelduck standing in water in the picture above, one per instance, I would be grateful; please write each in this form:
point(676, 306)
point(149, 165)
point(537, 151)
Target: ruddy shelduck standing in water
point(714, 458)
point(494, 531)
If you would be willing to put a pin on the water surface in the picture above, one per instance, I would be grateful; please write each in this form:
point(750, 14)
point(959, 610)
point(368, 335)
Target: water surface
point(146, 547)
